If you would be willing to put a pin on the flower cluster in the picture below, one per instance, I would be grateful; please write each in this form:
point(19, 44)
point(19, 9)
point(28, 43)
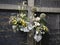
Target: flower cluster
point(40, 27)
point(22, 22)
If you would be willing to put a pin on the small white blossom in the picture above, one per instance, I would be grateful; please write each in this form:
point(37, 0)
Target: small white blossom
point(26, 29)
point(14, 27)
point(30, 26)
point(21, 29)
point(37, 37)
point(18, 19)
point(37, 18)
point(24, 14)
point(37, 24)
point(37, 32)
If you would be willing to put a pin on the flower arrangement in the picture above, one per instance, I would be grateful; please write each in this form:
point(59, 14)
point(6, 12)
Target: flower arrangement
point(22, 22)
point(40, 27)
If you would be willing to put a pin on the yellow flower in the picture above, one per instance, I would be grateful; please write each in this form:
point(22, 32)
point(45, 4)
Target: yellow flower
point(23, 22)
point(14, 22)
point(45, 28)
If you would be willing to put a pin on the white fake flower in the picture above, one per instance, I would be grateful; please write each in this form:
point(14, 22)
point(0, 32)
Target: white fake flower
point(30, 26)
point(37, 32)
point(42, 32)
point(37, 37)
point(37, 18)
point(14, 26)
point(22, 15)
point(37, 24)
point(21, 29)
point(18, 19)
point(26, 29)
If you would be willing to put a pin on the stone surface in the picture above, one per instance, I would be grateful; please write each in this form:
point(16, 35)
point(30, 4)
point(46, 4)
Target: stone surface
point(47, 3)
point(7, 36)
point(11, 1)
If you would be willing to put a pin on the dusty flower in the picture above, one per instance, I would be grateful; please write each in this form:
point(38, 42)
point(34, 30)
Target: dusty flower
point(37, 18)
point(37, 24)
point(42, 15)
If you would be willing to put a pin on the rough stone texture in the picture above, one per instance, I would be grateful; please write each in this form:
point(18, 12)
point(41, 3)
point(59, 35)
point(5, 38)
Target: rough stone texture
point(11, 1)
point(7, 36)
point(53, 20)
point(54, 28)
point(47, 3)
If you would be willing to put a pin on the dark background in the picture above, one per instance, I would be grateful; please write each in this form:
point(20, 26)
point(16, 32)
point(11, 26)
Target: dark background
point(8, 37)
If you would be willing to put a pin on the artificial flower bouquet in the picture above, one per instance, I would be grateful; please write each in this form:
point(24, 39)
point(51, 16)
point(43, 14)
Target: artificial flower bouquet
point(40, 27)
point(22, 22)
